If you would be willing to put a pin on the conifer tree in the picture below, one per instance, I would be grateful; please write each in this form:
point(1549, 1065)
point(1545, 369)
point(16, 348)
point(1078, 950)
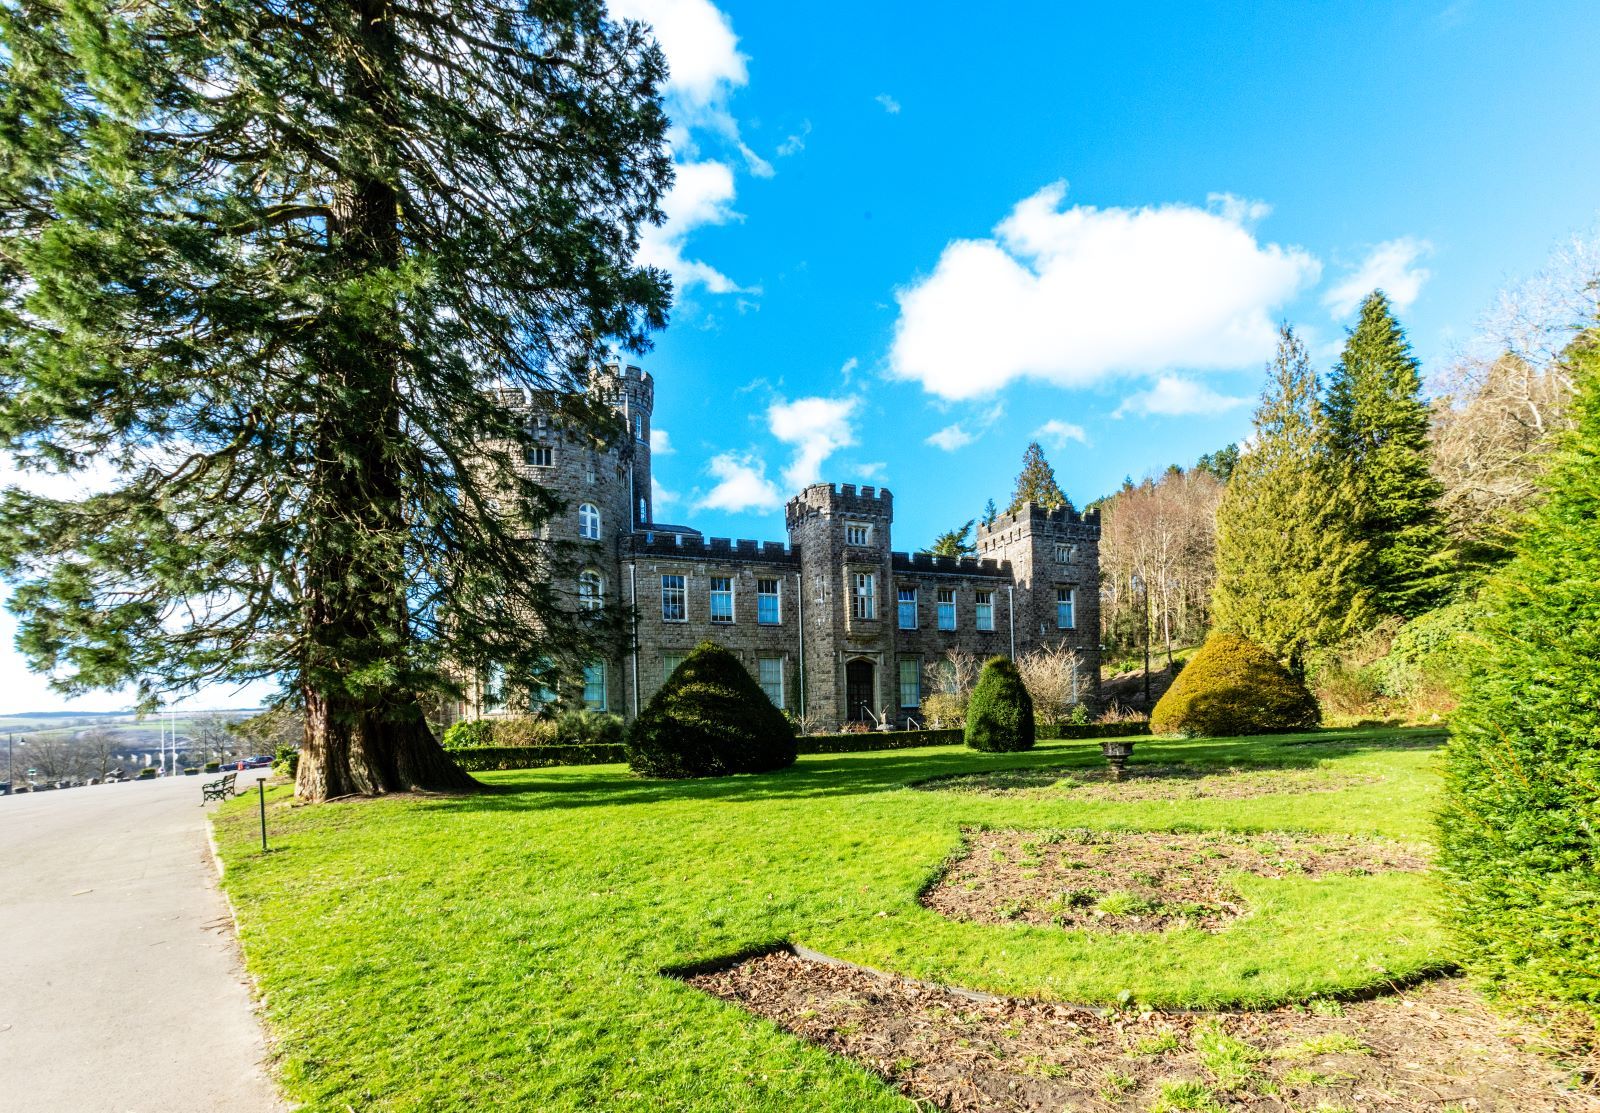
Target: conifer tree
point(272, 266)
point(990, 513)
point(1036, 483)
point(955, 542)
point(1518, 847)
point(1288, 560)
point(1378, 424)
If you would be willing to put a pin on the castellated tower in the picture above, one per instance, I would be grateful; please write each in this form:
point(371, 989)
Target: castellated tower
point(632, 393)
point(1055, 565)
point(846, 579)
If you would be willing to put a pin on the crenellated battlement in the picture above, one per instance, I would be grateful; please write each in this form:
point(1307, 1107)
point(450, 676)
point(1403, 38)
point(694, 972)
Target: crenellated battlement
point(692, 546)
point(830, 500)
point(1030, 515)
point(950, 566)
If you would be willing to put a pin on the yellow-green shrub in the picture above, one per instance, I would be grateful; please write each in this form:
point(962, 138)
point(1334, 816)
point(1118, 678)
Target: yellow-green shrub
point(1232, 687)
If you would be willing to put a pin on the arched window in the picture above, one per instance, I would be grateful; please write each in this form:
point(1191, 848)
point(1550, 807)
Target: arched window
point(589, 521)
point(591, 590)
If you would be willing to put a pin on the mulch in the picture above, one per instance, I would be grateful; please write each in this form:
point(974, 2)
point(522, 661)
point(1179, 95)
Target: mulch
point(1152, 781)
point(1090, 880)
point(1438, 1048)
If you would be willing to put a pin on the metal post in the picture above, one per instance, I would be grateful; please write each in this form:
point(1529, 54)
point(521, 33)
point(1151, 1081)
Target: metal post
point(261, 795)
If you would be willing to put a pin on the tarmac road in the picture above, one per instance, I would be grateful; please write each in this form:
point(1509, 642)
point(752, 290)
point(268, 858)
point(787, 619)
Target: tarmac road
point(121, 987)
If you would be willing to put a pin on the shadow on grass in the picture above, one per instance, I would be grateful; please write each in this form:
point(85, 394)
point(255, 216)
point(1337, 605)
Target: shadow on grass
point(818, 776)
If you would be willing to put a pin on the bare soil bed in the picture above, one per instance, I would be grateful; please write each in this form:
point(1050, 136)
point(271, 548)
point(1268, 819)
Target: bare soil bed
point(1176, 781)
point(1437, 1049)
point(1137, 881)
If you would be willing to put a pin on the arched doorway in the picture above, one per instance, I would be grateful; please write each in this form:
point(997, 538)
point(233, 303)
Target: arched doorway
point(860, 689)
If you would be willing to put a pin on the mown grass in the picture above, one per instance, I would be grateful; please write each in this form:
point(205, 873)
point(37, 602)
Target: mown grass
point(505, 950)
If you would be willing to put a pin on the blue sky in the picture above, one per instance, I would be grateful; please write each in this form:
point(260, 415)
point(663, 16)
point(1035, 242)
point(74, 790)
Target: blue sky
point(910, 238)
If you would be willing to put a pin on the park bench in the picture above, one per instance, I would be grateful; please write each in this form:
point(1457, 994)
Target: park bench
point(219, 789)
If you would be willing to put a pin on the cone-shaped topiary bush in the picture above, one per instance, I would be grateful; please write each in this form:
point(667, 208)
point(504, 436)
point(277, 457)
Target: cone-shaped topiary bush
point(709, 719)
point(1521, 816)
point(1000, 712)
point(1231, 687)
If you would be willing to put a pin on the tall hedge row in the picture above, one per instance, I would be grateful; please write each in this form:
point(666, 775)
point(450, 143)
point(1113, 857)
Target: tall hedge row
point(1233, 687)
point(1520, 826)
point(1000, 712)
point(710, 718)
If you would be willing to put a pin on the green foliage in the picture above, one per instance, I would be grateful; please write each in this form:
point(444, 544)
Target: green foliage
point(955, 542)
point(584, 727)
point(148, 773)
point(1234, 687)
point(1220, 463)
point(522, 730)
point(269, 265)
point(213, 766)
point(1000, 712)
point(878, 740)
point(1428, 654)
point(709, 719)
point(286, 760)
point(1518, 831)
point(1289, 565)
point(467, 734)
point(944, 709)
point(1036, 483)
point(485, 758)
point(1378, 423)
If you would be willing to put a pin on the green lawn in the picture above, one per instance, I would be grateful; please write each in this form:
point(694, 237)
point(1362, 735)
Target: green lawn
point(504, 950)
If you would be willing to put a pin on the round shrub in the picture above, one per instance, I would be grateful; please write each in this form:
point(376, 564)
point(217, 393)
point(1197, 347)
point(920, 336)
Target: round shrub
point(468, 734)
point(213, 766)
point(1230, 687)
point(709, 719)
point(1000, 712)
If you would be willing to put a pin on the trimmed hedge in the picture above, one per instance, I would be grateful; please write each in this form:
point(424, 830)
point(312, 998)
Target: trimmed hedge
point(710, 719)
point(484, 758)
point(878, 740)
point(1517, 848)
point(1000, 713)
point(1068, 731)
point(1233, 687)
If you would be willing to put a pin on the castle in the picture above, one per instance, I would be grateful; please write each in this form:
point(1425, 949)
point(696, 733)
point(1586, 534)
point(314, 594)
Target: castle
point(834, 624)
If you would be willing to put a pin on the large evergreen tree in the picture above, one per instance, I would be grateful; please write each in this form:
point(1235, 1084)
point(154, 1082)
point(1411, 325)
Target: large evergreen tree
point(955, 542)
point(1289, 561)
point(271, 266)
point(1036, 483)
point(1378, 423)
point(1518, 847)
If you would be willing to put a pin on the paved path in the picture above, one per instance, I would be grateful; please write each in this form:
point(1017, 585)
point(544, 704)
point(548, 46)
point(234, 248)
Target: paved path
point(120, 983)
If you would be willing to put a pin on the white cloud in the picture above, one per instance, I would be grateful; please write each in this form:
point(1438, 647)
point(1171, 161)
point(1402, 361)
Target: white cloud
point(849, 368)
point(1077, 295)
point(661, 443)
point(701, 195)
point(1056, 433)
point(951, 437)
point(871, 470)
point(1238, 210)
point(816, 428)
point(660, 497)
point(742, 484)
point(796, 142)
point(1172, 397)
point(890, 105)
point(1391, 267)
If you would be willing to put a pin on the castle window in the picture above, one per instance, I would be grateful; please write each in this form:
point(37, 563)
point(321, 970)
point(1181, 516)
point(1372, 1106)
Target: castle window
point(769, 602)
point(1066, 554)
point(669, 664)
point(542, 456)
point(1066, 603)
point(494, 688)
point(721, 599)
point(589, 522)
point(673, 605)
point(983, 613)
point(858, 534)
point(910, 682)
point(591, 590)
point(644, 512)
point(771, 676)
point(863, 599)
point(908, 608)
point(947, 608)
point(638, 427)
point(594, 686)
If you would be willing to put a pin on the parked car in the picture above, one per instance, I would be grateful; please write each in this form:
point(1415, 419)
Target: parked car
point(260, 761)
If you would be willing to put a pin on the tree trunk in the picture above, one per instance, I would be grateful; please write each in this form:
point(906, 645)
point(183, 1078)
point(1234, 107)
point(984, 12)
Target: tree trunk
point(365, 732)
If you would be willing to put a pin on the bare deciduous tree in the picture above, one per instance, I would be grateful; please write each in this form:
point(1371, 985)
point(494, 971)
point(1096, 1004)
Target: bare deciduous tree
point(1051, 675)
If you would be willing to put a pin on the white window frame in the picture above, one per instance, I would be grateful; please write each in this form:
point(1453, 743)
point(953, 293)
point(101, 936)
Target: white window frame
point(589, 521)
point(1068, 597)
point(638, 427)
point(858, 535)
point(778, 701)
point(603, 704)
point(670, 663)
point(900, 607)
point(983, 611)
point(864, 596)
point(947, 608)
point(591, 589)
point(542, 456)
point(776, 595)
point(682, 591)
point(914, 674)
point(716, 591)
